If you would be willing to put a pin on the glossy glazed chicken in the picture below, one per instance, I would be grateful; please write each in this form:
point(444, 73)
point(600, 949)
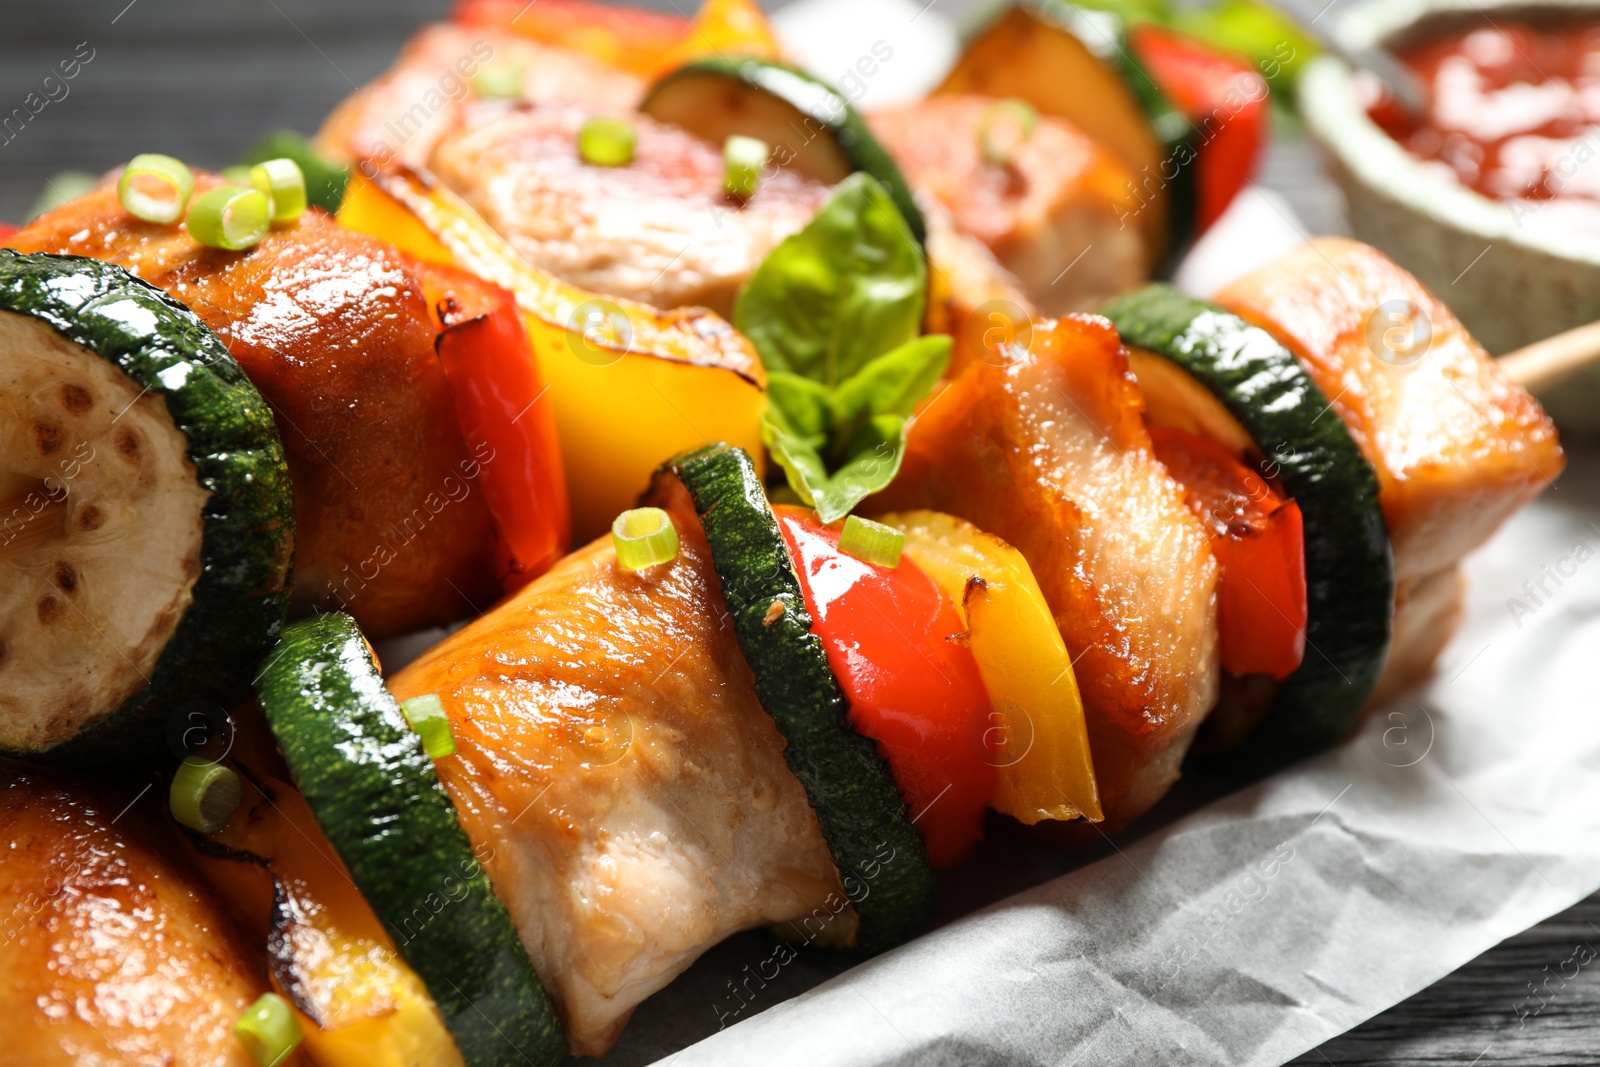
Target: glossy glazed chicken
point(334, 330)
point(110, 954)
point(1051, 453)
point(1053, 215)
point(1457, 447)
point(612, 758)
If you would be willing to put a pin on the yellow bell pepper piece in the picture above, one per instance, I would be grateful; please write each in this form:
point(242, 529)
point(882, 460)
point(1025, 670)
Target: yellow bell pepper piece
point(736, 28)
point(367, 1008)
point(631, 385)
point(1046, 771)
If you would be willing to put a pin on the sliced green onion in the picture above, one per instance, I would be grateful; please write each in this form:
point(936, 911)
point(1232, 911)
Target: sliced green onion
point(499, 81)
point(283, 184)
point(155, 188)
point(268, 1030)
point(606, 142)
point(229, 217)
point(643, 538)
point(204, 795)
point(238, 174)
point(426, 716)
point(746, 158)
point(1005, 127)
point(871, 542)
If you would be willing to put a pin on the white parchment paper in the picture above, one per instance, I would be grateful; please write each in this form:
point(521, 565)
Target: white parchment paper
point(1264, 923)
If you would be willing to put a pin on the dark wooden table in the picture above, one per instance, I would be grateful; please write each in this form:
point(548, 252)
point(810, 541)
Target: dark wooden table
point(201, 79)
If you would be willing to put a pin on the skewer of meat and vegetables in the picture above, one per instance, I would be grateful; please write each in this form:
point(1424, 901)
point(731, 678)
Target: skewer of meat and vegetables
point(779, 564)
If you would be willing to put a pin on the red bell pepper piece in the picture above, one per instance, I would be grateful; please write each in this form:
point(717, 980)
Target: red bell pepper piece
point(6, 230)
point(1259, 542)
point(914, 691)
point(500, 404)
point(1225, 100)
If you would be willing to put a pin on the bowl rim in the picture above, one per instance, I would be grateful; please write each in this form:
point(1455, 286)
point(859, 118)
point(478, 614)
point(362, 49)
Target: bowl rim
point(1334, 116)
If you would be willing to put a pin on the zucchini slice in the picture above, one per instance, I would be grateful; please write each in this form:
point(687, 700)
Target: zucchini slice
point(880, 856)
point(1077, 63)
point(805, 121)
point(1349, 567)
point(378, 799)
point(146, 514)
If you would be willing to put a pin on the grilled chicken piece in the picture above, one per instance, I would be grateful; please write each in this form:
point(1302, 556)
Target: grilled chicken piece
point(110, 954)
point(1426, 614)
point(971, 297)
point(1457, 446)
point(1051, 454)
point(1055, 216)
point(334, 331)
point(399, 117)
point(659, 230)
point(611, 754)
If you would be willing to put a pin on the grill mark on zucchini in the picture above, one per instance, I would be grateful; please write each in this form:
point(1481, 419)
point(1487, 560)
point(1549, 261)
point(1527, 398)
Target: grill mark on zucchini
point(379, 800)
point(880, 857)
point(239, 598)
point(1349, 566)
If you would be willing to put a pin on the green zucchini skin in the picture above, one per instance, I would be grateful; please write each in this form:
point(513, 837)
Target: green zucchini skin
point(1105, 34)
point(1349, 563)
point(879, 854)
point(378, 799)
point(247, 547)
point(819, 103)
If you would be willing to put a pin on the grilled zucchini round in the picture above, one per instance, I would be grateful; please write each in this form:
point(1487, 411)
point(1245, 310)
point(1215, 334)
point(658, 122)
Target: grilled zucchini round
point(810, 125)
point(146, 514)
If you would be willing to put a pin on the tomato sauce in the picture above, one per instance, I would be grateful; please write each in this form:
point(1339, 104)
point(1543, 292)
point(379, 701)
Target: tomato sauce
point(1514, 114)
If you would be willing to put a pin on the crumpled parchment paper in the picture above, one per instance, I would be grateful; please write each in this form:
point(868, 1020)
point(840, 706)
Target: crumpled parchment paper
point(1269, 920)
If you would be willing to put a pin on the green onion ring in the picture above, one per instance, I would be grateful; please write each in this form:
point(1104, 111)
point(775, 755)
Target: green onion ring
point(284, 185)
point(643, 538)
point(499, 81)
point(155, 188)
point(606, 142)
point(204, 795)
point(425, 715)
point(871, 542)
point(230, 217)
point(994, 119)
point(268, 1030)
point(745, 158)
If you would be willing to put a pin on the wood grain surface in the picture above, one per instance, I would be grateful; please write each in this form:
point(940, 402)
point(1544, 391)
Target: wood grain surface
point(202, 79)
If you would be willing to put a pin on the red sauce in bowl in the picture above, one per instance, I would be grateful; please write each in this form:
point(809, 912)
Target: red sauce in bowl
point(1514, 114)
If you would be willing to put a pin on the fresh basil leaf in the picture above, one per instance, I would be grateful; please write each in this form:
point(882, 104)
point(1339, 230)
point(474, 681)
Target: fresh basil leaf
point(835, 494)
point(847, 288)
point(889, 386)
point(837, 446)
point(805, 404)
point(895, 381)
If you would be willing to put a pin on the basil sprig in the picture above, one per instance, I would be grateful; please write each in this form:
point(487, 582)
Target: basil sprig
point(835, 312)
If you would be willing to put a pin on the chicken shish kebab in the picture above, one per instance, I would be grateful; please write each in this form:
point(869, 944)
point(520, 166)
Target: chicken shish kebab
point(753, 742)
point(580, 874)
point(997, 577)
point(343, 336)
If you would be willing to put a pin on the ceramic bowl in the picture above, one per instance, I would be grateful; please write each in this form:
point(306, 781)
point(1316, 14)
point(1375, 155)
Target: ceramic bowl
point(1512, 277)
